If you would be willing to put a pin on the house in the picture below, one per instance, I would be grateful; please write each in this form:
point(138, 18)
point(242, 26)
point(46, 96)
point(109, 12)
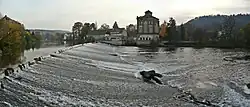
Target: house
point(8, 20)
point(97, 35)
point(116, 35)
point(116, 31)
point(147, 29)
point(67, 36)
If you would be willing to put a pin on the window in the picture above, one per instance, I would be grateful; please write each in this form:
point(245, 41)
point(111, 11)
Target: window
point(141, 23)
point(150, 22)
point(145, 27)
point(156, 28)
point(150, 28)
point(140, 29)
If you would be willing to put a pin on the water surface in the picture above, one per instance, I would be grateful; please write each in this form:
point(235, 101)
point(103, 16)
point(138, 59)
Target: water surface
point(104, 75)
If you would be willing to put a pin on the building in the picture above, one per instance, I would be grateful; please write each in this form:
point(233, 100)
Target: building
point(116, 31)
point(147, 29)
point(97, 35)
point(116, 35)
point(6, 18)
point(5, 26)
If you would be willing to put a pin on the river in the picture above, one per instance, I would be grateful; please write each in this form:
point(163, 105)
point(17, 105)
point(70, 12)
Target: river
point(104, 75)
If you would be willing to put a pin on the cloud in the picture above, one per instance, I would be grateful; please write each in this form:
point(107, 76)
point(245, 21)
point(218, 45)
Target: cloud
point(61, 14)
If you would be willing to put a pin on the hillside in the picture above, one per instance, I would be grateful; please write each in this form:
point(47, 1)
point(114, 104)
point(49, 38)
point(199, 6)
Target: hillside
point(52, 31)
point(214, 22)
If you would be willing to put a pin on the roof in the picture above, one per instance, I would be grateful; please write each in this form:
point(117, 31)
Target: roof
point(7, 18)
point(141, 17)
point(115, 26)
point(148, 11)
point(120, 30)
point(148, 14)
point(97, 32)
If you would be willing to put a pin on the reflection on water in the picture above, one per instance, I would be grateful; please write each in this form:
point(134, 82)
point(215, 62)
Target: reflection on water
point(104, 75)
point(43, 50)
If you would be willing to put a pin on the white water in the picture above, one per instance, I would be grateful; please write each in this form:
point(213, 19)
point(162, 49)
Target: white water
point(200, 70)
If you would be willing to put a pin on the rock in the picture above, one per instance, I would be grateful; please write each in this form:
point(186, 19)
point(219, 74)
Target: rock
point(21, 67)
point(113, 54)
point(248, 85)
point(8, 71)
point(247, 57)
point(2, 86)
point(31, 63)
point(38, 59)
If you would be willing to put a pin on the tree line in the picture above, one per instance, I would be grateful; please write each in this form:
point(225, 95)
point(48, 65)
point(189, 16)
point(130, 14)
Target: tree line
point(81, 30)
point(226, 34)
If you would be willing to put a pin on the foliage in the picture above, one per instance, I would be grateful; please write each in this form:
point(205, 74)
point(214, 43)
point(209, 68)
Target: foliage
point(228, 27)
point(81, 30)
point(31, 40)
point(214, 22)
point(10, 42)
point(84, 31)
point(93, 26)
point(183, 32)
point(171, 30)
point(77, 29)
point(246, 33)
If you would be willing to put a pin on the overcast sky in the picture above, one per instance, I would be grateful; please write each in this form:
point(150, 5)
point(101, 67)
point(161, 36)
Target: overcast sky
point(61, 14)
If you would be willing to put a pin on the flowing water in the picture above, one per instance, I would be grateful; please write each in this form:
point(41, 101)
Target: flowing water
point(104, 75)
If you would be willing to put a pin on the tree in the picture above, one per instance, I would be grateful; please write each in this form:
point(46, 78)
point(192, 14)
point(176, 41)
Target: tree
point(104, 27)
point(228, 28)
point(31, 40)
point(85, 29)
point(172, 29)
point(246, 33)
point(183, 32)
point(77, 29)
point(131, 30)
point(198, 35)
point(11, 41)
point(93, 26)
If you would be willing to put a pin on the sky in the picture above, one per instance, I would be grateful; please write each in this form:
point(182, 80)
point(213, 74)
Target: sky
point(62, 14)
